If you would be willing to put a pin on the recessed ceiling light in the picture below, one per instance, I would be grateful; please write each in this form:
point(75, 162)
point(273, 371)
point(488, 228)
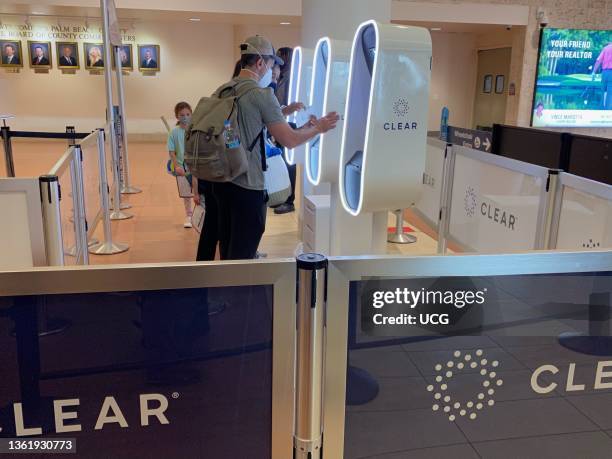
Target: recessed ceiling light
point(195, 19)
point(285, 23)
point(436, 29)
point(37, 12)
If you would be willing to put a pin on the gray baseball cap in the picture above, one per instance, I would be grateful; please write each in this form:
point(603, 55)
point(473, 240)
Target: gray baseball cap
point(260, 45)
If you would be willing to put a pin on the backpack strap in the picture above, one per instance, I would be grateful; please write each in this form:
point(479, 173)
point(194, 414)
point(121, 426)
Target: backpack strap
point(262, 146)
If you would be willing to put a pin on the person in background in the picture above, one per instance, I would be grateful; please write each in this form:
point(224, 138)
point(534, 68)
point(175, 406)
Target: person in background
point(242, 202)
point(282, 94)
point(539, 109)
point(176, 149)
point(237, 69)
point(604, 62)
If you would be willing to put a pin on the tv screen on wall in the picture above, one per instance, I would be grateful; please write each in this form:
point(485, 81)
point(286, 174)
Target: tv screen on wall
point(574, 79)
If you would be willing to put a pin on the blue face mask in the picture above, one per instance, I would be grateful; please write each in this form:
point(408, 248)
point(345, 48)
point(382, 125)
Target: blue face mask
point(185, 119)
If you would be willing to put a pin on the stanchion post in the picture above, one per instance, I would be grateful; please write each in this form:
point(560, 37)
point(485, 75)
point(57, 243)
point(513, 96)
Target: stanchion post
point(52, 221)
point(106, 247)
point(50, 194)
point(126, 186)
point(8, 150)
point(310, 317)
point(399, 237)
point(550, 225)
point(445, 198)
point(72, 140)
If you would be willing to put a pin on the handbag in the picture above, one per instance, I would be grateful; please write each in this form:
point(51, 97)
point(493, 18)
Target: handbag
point(276, 177)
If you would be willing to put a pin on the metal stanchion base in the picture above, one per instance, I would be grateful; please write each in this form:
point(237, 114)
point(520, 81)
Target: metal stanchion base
point(92, 241)
point(125, 205)
point(108, 248)
point(585, 344)
point(130, 190)
point(120, 215)
point(71, 252)
point(361, 387)
point(401, 238)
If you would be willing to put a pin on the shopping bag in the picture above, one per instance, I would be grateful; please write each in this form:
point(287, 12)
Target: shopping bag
point(184, 186)
point(197, 218)
point(277, 182)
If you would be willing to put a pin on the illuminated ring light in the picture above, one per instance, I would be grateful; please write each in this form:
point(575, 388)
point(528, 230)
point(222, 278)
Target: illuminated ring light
point(315, 179)
point(294, 88)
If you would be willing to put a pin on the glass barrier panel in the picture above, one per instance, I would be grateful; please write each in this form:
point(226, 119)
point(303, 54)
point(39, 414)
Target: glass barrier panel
point(494, 208)
point(156, 374)
point(488, 366)
point(91, 181)
point(69, 230)
point(585, 221)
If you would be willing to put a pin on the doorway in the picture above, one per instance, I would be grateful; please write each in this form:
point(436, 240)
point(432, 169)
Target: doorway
point(491, 87)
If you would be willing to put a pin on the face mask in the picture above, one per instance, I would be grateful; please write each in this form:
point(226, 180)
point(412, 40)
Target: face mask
point(265, 80)
point(185, 119)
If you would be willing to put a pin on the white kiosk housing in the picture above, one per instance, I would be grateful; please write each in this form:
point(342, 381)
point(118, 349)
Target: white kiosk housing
point(299, 91)
point(324, 212)
point(330, 71)
point(385, 127)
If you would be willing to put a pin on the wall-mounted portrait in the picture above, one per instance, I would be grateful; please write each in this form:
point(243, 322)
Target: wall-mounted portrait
point(11, 53)
point(487, 85)
point(148, 57)
point(67, 55)
point(125, 54)
point(94, 56)
point(40, 54)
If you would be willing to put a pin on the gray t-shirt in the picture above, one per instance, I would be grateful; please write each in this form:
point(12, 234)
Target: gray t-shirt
point(256, 109)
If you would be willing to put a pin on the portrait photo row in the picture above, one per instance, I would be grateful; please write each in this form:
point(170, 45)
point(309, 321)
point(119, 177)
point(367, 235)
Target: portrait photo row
point(40, 55)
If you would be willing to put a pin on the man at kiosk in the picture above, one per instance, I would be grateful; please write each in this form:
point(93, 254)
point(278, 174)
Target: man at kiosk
point(242, 202)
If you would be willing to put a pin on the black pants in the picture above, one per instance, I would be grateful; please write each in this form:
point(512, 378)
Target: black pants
point(242, 220)
point(292, 172)
point(207, 247)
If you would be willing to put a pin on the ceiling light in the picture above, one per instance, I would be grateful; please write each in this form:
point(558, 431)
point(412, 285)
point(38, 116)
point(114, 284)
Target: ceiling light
point(285, 23)
point(436, 29)
point(37, 12)
point(195, 19)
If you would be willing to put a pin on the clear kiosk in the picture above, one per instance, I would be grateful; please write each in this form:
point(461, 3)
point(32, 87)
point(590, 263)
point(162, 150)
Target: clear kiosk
point(330, 74)
point(385, 127)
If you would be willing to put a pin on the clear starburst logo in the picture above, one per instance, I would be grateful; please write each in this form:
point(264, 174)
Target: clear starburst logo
point(470, 201)
point(446, 402)
point(401, 107)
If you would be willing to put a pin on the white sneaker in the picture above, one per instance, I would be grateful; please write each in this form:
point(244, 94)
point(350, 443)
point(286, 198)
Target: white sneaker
point(187, 223)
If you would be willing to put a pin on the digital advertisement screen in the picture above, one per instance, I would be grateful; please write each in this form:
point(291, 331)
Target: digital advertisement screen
point(574, 79)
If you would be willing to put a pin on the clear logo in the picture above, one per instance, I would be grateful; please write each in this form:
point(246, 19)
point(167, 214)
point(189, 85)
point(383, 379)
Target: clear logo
point(482, 398)
point(470, 201)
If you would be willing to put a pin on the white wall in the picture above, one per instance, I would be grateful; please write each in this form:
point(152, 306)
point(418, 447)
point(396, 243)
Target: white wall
point(453, 78)
point(195, 59)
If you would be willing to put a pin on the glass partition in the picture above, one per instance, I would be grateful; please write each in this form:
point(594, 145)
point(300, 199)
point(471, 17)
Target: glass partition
point(149, 366)
point(468, 357)
point(91, 180)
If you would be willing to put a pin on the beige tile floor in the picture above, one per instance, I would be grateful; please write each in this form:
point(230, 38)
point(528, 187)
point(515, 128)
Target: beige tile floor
point(156, 233)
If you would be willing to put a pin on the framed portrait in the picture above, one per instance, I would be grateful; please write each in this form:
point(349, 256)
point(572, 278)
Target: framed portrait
point(148, 58)
point(11, 53)
point(487, 86)
point(40, 54)
point(125, 53)
point(93, 54)
point(500, 84)
point(67, 55)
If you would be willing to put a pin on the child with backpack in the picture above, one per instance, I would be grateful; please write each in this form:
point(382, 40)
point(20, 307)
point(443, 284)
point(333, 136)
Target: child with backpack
point(176, 149)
